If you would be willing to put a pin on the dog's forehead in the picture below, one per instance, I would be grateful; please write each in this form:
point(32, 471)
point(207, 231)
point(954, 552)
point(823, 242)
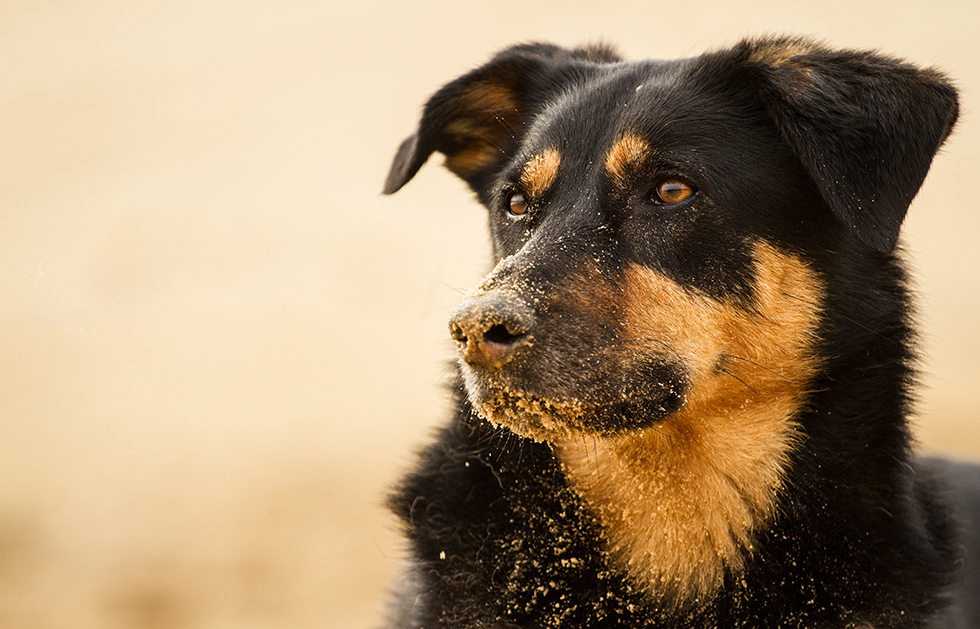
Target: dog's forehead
point(620, 99)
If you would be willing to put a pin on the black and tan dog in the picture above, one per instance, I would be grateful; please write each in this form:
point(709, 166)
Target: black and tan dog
point(685, 386)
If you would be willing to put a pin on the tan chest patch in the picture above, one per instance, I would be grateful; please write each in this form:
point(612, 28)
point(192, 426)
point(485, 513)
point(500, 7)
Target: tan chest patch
point(680, 502)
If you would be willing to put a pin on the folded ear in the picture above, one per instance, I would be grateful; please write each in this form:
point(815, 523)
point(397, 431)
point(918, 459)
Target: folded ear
point(478, 120)
point(865, 126)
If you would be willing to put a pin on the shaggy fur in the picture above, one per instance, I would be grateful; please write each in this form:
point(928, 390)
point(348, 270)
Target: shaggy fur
point(684, 388)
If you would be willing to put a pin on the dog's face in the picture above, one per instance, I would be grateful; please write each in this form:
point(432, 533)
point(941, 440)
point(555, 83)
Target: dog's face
point(634, 265)
point(655, 224)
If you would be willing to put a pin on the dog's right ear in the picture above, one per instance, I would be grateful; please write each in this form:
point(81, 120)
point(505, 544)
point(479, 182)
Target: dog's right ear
point(478, 120)
point(863, 125)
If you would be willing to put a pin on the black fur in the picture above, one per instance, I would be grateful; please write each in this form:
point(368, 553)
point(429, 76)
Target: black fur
point(814, 151)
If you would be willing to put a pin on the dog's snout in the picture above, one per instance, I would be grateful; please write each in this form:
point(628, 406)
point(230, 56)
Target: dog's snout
point(489, 328)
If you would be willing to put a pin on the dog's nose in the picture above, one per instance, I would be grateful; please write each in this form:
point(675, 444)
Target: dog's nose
point(490, 327)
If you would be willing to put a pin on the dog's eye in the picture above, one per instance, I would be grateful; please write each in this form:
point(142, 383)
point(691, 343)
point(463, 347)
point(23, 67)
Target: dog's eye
point(516, 204)
point(671, 191)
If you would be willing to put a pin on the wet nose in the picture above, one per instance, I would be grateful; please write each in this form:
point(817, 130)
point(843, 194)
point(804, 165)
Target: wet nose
point(489, 328)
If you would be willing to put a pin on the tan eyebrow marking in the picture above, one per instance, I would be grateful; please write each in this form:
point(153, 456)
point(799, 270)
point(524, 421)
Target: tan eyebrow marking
point(628, 153)
point(540, 172)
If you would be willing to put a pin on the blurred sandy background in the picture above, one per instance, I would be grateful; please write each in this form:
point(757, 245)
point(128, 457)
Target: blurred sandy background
point(219, 344)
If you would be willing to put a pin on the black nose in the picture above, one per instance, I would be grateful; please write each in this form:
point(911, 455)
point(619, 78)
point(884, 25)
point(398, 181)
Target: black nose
point(489, 328)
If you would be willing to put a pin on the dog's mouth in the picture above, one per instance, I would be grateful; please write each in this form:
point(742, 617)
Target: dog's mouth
point(553, 419)
point(530, 415)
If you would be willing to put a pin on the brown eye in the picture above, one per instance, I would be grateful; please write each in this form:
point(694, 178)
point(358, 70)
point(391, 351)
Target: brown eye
point(517, 204)
point(671, 191)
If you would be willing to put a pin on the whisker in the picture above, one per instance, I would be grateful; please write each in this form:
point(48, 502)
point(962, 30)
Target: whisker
point(503, 122)
point(644, 339)
point(595, 455)
point(461, 291)
point(487, 440)
point(447, 371)
point(627, 349)
point(747, 386)
point(585, 448)
point(849, 319)
point(764, 368)
point(490, 142)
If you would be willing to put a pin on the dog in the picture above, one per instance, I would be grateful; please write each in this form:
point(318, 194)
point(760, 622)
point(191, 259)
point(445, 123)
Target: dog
point(684, 390)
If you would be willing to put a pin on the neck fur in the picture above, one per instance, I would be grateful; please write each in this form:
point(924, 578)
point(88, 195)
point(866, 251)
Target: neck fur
point(680, 503)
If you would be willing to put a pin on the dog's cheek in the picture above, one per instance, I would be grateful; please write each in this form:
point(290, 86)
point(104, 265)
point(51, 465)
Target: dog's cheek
point(698, 248)
point(506, 235)
point(570, 356)
point(662, 318)
point(734, 355)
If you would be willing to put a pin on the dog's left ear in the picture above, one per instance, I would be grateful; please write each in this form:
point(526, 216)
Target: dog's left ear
point(865, 126)
point(478, 120)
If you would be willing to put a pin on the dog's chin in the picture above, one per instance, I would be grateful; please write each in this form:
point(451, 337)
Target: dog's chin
point(532, 416)
point(554, 419)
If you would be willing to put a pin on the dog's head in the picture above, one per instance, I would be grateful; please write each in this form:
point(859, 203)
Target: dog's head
point(655, 223)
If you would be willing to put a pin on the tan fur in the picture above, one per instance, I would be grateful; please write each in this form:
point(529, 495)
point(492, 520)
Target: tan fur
point(489, 114)
point(627, 153)
point(478, 155)
point(787, 58)
point(680, 502)
point(540, 172)
point(782, 52)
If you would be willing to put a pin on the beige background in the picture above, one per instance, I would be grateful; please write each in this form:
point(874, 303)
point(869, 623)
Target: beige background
point(219, 344)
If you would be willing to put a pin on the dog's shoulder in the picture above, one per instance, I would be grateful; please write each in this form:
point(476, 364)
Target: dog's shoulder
point(953, 484)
